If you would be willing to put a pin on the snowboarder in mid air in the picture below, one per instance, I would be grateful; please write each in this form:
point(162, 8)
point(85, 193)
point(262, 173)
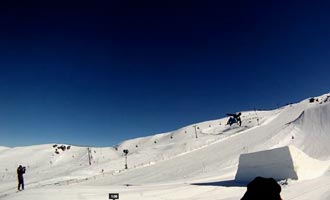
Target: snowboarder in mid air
point(20, 172)
point(234, 118)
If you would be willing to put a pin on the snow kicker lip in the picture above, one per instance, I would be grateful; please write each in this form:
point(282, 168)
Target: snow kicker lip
point(280, 163)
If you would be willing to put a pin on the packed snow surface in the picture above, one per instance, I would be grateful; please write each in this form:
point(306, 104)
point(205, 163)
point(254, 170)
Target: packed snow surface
point(199, 161)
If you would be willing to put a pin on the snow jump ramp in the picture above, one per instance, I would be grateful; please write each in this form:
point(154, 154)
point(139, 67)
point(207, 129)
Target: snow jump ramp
point(281, 163)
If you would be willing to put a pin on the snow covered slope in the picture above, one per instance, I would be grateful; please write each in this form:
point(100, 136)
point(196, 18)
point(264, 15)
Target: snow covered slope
point(198, 161)
point(312, 131)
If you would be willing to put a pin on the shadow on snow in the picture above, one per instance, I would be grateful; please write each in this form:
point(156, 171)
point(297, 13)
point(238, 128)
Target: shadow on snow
point(228, 183)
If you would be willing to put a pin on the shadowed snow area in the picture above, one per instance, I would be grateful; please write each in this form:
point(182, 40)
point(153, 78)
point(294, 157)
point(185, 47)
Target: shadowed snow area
point(199, 161)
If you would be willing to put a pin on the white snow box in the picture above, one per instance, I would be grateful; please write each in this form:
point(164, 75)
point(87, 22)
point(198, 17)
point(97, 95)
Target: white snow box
point(281, 163)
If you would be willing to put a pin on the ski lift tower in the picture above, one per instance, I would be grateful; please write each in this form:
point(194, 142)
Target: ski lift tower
point(126, 153)
point(195, 130)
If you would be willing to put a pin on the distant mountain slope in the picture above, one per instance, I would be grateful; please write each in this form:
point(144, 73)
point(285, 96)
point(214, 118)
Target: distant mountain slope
point(205, 150)
point(220, 157)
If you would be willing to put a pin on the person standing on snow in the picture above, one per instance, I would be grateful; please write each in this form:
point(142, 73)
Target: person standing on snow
point(20, 172)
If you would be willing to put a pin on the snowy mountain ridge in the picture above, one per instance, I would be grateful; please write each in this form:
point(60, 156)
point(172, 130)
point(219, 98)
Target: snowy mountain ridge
point(201, 152)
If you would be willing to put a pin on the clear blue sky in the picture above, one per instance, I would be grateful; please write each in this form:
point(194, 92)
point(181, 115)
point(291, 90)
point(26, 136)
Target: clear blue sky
point(102, 72)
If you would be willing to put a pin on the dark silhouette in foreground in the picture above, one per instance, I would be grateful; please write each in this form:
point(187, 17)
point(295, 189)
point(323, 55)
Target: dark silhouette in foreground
point(20, 172)
point(262, 189)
